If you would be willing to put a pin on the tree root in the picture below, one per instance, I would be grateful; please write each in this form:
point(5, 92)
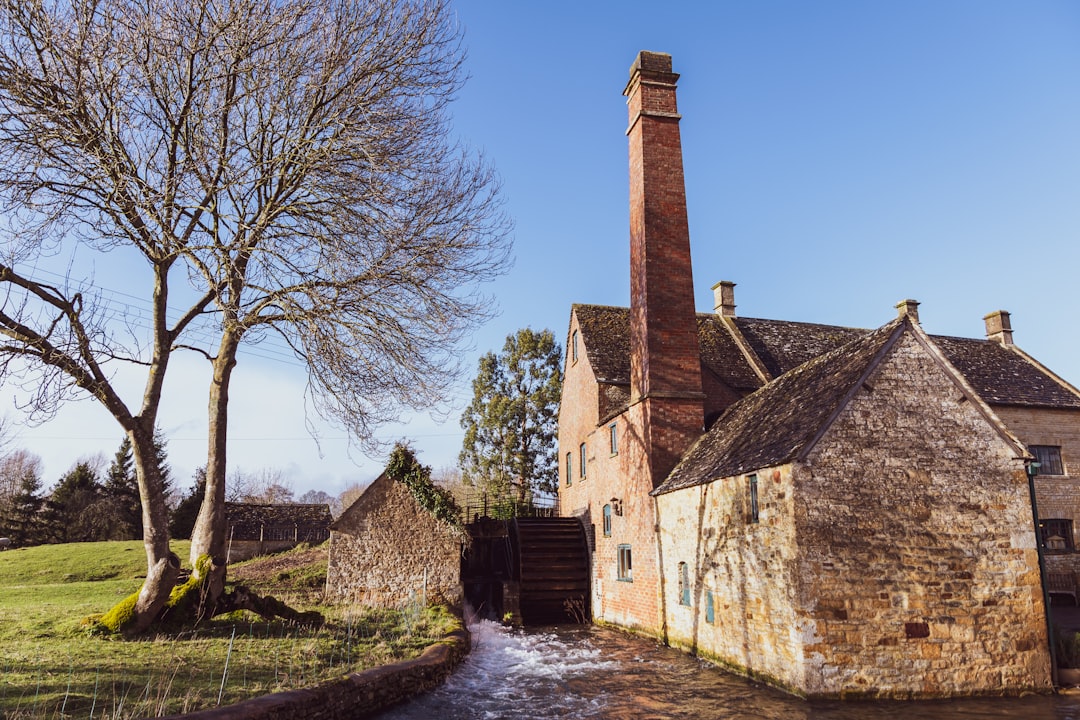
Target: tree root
point(200, 597)
point(267, 607)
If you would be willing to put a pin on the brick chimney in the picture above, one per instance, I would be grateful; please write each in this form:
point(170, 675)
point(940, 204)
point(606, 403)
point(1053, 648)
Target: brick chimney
point(999, 327)
point(665, 359)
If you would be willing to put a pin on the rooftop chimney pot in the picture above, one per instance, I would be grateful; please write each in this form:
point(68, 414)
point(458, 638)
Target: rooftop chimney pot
point(999, 327)
point(724, 298)
point(908, 308)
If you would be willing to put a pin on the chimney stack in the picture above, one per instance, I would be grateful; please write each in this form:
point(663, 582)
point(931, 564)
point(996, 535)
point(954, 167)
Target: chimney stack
point(724, 298)
point(665, 358)
point(999, 327)
point(908, 308)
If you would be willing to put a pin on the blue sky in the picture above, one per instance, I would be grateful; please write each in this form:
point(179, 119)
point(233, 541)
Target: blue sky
point(839, 157)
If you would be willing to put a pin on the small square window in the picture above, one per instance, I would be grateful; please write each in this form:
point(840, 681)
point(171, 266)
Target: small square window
point(1049, 459)
point(751, 481)
point(1057, 535)
point(569, 469)
point(607, 521)
point(582, 451)
point(613, 432)
point(625, 566)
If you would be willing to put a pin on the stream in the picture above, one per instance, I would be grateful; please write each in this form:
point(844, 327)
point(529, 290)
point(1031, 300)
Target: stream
point(594, 672)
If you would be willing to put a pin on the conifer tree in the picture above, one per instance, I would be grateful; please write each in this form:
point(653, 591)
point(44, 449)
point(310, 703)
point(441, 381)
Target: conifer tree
point(122, 488)
point(183, 517)
point(511, 424)
point(22, 521)
point(69, 508)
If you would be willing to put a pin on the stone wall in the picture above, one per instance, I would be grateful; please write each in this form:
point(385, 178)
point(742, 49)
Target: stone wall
point(749, 568)
point(386, 549)
point(919, 574)
point(352, 696)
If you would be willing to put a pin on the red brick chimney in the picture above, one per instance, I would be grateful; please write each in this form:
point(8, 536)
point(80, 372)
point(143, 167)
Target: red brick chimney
point(665, 359)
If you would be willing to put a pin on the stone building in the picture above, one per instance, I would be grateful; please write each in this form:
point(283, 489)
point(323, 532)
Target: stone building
point(262, 528)
point(837, 510)
point(386, 550)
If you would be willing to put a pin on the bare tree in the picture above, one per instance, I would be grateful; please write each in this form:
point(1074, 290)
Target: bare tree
point(267, 486)
point(281, 169)
point(14, 466)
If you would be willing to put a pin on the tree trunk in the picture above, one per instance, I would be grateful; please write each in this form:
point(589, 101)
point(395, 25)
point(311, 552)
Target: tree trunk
point(162, 565)
point(208, 536)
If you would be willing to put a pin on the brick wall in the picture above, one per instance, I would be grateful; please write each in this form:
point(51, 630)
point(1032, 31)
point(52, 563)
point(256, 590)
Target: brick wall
point(385, 548)
point(632, 604)
point(899, 561)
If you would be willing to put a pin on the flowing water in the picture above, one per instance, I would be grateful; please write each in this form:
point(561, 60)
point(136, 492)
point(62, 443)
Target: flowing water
point(591, 672)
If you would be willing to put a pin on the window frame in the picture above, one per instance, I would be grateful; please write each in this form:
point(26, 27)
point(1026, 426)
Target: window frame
point(754, 514)
point(613, 435)
point(1049, 459)
point(574, 346)
point(1046, 531)
point(624, 563)
point(582, 468)
point(607, 520)
point(569, 469)
point(684, 584)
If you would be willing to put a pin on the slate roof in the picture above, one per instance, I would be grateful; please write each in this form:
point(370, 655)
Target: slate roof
point(605, 332)
point(784, 346)
point(1004, 377)
point(999, 375)
point(773, 425)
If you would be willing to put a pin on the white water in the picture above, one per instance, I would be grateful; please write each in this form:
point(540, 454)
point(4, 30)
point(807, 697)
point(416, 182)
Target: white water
point(513, 673)
point(589, 672)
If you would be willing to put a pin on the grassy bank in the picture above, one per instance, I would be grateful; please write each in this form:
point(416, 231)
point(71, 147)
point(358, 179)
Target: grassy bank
point(52, 667)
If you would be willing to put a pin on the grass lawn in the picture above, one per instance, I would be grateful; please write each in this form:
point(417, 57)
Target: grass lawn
point(52, 667)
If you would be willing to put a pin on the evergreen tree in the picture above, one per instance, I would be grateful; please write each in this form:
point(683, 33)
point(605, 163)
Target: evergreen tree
point(183, 517)
point(71, 515)
point(122, 488)
point(511, 424)
point(22, 521)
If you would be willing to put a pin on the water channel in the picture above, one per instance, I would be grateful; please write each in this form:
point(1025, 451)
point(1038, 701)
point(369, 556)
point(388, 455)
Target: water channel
point(592, 672)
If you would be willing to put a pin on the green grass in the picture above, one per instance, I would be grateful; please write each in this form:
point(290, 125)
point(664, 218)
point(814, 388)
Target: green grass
point(52, 667)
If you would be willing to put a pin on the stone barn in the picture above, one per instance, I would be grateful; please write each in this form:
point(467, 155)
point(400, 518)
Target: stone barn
point(386, 549)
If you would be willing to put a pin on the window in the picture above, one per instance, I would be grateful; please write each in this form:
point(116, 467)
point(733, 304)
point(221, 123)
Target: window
point(582, 450)
point(1057, 535)
point(573, 347)
point(607, 521)
point(625, 565)
point(569, 469)
point(684, 584)
point(710, 608)
point(1049, 459)
point(751, 480)
point(613, 431)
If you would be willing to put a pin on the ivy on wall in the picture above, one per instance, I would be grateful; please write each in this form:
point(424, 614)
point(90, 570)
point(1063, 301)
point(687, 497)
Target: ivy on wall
point(404, 468)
